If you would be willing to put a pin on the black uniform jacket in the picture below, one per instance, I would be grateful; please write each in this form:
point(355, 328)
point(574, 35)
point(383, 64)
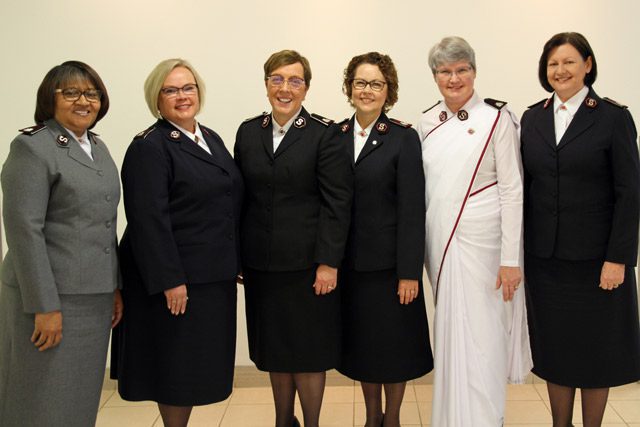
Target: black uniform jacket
point(388, 214)
point(297, 200)
point(581, 197)
point(183, 209)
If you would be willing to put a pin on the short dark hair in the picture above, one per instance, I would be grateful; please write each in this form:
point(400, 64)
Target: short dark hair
point(57, 78)
point(388, 70)
point(580, 43)
point(287, 57)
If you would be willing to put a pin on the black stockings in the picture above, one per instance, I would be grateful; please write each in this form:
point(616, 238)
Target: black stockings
point(310, 388)
point(594, 402)
point(394, 394)
point(175, 416)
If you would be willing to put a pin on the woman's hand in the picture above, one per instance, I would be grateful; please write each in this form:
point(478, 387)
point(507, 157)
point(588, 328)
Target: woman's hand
point(177, 299)
point(407, 290)
point(509, 278)
point(118, 307)
point(47, 331)
point(326, 279)
point(612, 275)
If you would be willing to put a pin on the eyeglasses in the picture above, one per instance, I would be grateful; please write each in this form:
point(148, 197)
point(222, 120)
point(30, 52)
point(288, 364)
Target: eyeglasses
point(375, 85)
point(293, 82)
point(187, 90)
point(72, 94)
point(446, 74)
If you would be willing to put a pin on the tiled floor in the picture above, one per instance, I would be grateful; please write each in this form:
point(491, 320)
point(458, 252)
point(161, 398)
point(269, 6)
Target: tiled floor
point(527, 406)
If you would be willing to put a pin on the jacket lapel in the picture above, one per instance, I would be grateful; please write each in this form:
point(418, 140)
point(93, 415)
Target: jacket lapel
point(293, 135)
point(583, 120)
point(545, 126)
point(67, 142)
point(376, 137)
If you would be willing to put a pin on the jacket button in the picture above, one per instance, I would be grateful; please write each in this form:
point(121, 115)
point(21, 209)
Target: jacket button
point(107, 250)
point(225, 173)
point(270, 162)
point(107, 224)
point(107, 198)
point(100, 173)
point(228, 193)
point(230, 236)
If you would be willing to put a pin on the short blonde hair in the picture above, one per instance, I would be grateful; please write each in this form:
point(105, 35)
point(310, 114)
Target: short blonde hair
point(158, 75)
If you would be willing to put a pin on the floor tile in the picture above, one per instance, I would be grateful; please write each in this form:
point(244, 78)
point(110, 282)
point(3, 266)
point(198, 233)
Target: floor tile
point(130, 416)
point(625, 392)
point(336, 414)
point(116, 400)
point(206, 416)
point(522, 412)
point(629, 410)
point(104, 396)
point(251, 395)
point(424, 409)
point(522, 392)
point(424, 393)
point(340, 394)
point(259, 415)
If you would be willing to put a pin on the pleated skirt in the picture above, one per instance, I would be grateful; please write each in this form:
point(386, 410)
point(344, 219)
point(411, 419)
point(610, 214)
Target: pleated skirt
point(581, 335)
point(383, 341)
point(290, 328)
point(182, 360)
point(59, 387)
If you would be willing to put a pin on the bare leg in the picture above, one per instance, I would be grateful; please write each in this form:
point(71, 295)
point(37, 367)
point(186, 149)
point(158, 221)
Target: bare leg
point(175, 416)
point(310, 386)
point(594, 402)
point(373, 403)
point(284, 394)
point(394, 393)
point(561, 399)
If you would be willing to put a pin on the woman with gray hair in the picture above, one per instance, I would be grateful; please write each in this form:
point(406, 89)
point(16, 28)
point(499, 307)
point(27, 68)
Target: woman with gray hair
point(472, 166)
point(179, 254)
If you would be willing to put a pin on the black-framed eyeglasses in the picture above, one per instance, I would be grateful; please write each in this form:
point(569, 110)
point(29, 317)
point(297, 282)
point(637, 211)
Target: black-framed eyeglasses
point(293, 82)
point(189, 89)
point(72, 94)
point(376, 85)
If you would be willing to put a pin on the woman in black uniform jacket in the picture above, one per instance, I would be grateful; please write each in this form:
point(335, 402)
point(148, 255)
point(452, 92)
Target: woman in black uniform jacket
point(385, 332)
point(582, 192)
point(294, 228)
point(179, 254)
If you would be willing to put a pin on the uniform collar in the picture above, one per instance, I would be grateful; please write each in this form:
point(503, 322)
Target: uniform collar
point(572, 103)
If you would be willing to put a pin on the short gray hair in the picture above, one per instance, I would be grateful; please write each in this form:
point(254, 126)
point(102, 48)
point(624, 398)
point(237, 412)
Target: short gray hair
point(156, 79)
point(451, 49)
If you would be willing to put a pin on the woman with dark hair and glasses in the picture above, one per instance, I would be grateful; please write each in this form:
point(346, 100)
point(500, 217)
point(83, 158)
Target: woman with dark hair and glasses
point(58, 298)
point(179, 254)
point(385, 340)
point(294, 228)
point(471, 156)
point(581, 210)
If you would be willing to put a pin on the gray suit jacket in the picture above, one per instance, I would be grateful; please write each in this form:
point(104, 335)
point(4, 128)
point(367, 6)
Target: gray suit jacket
point(60, 217)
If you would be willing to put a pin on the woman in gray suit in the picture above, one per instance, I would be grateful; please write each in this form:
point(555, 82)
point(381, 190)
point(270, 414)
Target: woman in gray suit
point(58, 298)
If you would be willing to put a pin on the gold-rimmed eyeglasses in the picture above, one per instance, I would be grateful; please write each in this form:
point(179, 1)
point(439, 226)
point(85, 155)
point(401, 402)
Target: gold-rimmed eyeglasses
point(293, 82)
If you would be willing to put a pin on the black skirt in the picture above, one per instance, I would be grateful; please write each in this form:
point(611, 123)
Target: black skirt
point(383, 341)
point(180, 360)
point(291, 329)
point(581, 335)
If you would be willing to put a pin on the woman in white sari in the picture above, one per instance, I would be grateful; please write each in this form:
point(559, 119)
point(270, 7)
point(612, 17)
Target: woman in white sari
point(473, 173)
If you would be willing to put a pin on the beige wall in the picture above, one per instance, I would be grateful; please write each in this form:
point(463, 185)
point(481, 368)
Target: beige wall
point(228, 42)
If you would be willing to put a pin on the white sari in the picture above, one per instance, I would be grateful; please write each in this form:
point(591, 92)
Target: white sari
point(474, 225)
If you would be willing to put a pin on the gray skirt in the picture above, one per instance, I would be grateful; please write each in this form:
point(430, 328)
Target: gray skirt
point(60, 386)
